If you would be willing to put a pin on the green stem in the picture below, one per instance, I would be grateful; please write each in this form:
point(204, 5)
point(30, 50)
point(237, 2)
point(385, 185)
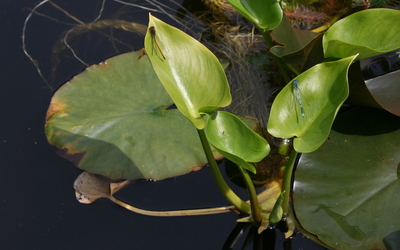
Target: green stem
point(287, 180)
point(267, 38)
point(235, 200)
point(255, 208)
point(188, 212)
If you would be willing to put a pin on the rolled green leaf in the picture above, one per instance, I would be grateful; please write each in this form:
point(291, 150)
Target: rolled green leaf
point(277, 211)
point(191, 74)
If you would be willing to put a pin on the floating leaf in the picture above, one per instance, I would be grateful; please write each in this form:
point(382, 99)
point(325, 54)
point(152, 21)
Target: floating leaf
point(347, 192)
point(90, 187)
point(112, 120)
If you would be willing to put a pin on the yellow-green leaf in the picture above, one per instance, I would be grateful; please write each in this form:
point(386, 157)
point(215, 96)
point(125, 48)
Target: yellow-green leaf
point(191, 74)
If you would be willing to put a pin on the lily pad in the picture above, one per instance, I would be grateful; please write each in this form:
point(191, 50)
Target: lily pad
point(90, 187)
point(112, 119)
point(346, 194)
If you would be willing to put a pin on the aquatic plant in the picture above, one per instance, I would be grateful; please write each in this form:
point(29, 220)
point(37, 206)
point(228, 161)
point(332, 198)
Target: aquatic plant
point(137, 133)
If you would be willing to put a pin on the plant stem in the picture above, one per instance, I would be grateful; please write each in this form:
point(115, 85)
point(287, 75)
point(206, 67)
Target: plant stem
point(235, 200)
point(188, 212)
point(287, 180)
point(255, 208)
point(267, 38)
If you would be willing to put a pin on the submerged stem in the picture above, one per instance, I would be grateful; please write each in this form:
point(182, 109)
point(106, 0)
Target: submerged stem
point(255, 208)
point(287, 180)
point(188, 212)
point(219, 179)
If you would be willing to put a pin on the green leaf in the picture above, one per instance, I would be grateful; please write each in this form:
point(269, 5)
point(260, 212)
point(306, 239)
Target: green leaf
point(299, 49)
point(266, 14)
point(347, 192)
point(359, 93)
point(112, 120)
point(277, 211)
point(235, 140)
point(191, 74)
point(386, 91)
point(380, 92)
point(322, 89)
point(368, 33)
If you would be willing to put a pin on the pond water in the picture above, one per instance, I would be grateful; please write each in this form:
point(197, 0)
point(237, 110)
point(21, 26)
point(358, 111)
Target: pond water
point(38, 208)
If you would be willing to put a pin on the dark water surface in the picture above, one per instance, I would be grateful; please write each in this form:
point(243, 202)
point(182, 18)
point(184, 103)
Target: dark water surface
point(38, 208)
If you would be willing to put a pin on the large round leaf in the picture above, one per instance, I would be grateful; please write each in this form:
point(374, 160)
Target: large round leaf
point(191, 74)
point(307, 109)
point(368, 33)
point(112, 120)
point(347, 192)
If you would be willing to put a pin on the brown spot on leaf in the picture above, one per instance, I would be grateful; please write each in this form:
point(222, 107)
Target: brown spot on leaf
point(75, 158)
point(196, 168)
point(144, 53)
point(54, 108)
